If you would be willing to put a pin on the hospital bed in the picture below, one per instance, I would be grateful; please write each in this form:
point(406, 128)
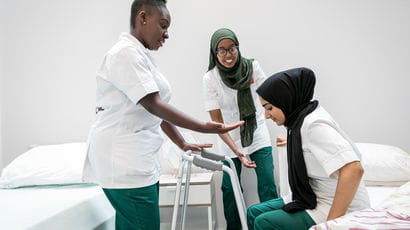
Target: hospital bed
point(42, 189)
point(392, 213)
point(389, 192)
point(81, 206)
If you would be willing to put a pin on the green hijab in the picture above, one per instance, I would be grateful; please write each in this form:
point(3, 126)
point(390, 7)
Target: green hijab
point(238, 77)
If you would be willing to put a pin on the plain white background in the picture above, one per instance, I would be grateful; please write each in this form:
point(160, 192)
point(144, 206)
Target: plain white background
point(1, 77)
point(49, 50)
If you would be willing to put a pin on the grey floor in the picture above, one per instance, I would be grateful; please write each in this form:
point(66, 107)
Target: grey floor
point(190, 226)
point(196, 218)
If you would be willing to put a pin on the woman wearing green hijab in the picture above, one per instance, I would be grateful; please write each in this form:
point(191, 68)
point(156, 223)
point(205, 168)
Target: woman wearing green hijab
point(230, 95)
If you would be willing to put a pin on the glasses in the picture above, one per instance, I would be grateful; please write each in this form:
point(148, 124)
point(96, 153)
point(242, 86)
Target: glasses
point(222, 52)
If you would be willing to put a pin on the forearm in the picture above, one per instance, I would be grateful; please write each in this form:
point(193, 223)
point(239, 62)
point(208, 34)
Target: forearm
point(348, 182)
point(230, 142)
point(172, 132)
point(166, 112)
point(216, 115)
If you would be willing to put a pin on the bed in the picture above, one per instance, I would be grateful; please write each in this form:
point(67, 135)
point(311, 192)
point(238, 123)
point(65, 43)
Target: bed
point(392, 213)
point(42, 189)
point(78, 206)
point(387, 176)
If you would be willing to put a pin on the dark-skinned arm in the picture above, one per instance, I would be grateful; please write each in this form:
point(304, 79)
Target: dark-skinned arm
point(172, 132)
point(216, 115)
point(153, 104)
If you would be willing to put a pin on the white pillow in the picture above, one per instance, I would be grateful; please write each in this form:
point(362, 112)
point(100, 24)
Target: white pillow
point(384, 164)
point(45, 165)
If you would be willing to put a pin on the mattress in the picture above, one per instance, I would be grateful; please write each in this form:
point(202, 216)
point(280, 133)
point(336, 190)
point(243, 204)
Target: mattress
point(55, 207)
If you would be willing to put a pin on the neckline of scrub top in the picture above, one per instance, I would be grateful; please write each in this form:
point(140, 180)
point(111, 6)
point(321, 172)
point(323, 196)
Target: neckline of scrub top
point(135, 41)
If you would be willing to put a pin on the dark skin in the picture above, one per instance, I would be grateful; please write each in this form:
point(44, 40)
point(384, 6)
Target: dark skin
point(228, 61)
point(151, 29)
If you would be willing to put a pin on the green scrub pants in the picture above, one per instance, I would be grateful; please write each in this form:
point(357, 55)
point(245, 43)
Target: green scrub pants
point(266, 185)
point(270, 216)
point(135, 208)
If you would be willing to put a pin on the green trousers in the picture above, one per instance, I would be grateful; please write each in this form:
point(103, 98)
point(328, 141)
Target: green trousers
point(270, 216)
point(136, 208)
point(266, 185)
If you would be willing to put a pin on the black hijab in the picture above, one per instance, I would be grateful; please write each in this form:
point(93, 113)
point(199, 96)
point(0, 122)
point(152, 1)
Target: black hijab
point(292, 92)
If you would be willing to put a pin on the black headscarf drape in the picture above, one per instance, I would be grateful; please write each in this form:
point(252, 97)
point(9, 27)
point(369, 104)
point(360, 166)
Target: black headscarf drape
point(292, 92)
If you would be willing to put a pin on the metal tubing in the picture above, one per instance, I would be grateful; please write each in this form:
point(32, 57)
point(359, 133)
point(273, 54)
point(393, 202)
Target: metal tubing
point(237, 194)
point(186, 193)
point(177, 194)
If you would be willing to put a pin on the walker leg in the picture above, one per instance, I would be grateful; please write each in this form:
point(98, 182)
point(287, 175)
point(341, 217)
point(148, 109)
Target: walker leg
point(233, 167)
point(237, 192)
point(177, 194)
point(186, 194)
point(210, 224)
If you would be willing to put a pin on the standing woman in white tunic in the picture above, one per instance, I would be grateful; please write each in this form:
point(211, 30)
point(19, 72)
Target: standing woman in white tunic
point(230, 95)
point(323, 163)
point(132, 112)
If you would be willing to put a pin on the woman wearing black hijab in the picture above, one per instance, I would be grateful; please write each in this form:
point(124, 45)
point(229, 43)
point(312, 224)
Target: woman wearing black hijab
point(323, 163)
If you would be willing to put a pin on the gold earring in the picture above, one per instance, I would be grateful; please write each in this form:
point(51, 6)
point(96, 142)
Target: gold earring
point(144, 23)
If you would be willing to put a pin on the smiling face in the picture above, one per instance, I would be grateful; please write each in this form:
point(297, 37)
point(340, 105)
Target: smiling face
point(152, 27)
point(231, 53)
point(272, 112)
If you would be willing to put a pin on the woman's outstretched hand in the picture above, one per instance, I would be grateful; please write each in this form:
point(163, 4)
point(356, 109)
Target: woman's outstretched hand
point(195, 147)
point(216, 127)
point(246, 162)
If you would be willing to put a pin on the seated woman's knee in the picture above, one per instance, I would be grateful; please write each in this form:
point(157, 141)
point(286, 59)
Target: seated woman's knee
point(263, 222)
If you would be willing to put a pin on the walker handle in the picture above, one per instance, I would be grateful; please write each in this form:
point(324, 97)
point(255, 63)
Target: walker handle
point(212, 156)
point(207, 164)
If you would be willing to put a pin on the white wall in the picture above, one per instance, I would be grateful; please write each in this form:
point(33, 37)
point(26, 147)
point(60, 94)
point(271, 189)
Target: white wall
point(1, 80)
point(358, 49)
point(54, 48)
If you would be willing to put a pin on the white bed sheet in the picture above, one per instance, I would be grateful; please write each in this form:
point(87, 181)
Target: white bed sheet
point(378, 194)
point(55, 207)
point(391, 213)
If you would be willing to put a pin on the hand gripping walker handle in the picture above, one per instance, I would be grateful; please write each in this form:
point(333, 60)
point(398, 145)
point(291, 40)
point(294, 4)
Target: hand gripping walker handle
point(212, 156)
point(207, 164)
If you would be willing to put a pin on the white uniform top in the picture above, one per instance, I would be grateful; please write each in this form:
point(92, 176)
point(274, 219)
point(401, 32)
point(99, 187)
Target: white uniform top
point(326, 149)
point(125, 138)
point(219, 96)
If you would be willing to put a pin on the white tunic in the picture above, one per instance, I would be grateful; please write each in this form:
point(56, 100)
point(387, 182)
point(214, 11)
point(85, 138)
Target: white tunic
point(326, 149)
point(219, 96)
point(125, 138)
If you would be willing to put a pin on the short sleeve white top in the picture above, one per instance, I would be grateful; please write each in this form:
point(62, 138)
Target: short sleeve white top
point(219, 96)
point(326, 149)
point(125, 138)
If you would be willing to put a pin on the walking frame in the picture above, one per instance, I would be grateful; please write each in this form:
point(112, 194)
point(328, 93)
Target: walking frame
point(213, 162)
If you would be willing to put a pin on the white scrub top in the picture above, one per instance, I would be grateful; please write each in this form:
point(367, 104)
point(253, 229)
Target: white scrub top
point(125, 138)
point(326, 149)
point(219, 96)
